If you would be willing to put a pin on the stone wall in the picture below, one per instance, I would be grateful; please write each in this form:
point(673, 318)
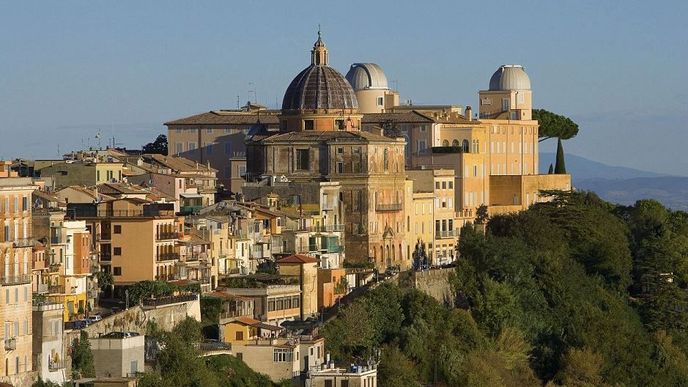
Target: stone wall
point(435, 283)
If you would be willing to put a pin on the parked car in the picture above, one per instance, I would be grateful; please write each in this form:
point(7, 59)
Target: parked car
point(77, 324)
point(94, 318)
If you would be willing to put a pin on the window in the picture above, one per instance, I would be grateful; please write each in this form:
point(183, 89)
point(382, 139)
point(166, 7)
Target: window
point(117, 251)
point(192, 146)
point(444, 185)
point(340, 151)
point(380, 101)
point(465, 146)
point(117, 229)
point(339, 124)
point(303, 159)
point(25, 203)
point(117, 270)
point(308, 125)
point(340, 167)
point(505, 104)
point(282, 355)
point(239, 336)
point(179, 148)
point(385, 160)
point(451, 185)
point(445, 142)
point(209, 130)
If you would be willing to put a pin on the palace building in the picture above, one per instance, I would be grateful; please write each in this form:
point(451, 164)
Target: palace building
point(320, 139)
point(353, 131)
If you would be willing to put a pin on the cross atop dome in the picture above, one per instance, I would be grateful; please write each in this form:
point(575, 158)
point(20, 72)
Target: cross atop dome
point(319, 52)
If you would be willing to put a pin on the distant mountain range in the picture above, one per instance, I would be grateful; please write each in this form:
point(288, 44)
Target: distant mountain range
point(621, 184)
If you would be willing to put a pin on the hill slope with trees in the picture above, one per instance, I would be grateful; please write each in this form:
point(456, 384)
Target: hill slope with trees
point(573, 292)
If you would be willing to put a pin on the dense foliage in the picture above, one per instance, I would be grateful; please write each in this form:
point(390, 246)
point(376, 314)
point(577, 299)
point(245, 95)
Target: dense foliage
point(554, 125)
point(146, 289)
point(158, 146)
point(178, 362)
point(574, 292)
point(82, 357)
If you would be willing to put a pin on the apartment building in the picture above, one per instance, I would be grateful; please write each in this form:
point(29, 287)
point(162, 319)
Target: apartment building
point(15, 278)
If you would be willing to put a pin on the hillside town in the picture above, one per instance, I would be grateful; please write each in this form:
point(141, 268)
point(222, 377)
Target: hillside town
point(274, 217)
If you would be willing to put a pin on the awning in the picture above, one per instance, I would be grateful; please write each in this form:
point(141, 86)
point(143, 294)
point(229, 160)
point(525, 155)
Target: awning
point(191, 196)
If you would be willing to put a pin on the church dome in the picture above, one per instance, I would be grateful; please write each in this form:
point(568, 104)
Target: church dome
point(319, 86)
point(363, 76)
point(510, 77)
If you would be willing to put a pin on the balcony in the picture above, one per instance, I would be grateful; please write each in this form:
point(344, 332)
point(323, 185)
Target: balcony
point(55, 365)
point(54, 267)
point(446, 234)
point(23, 242)
point(55, 289)
point(105, 257)
point(11, 344)
point(167, 235)
point(42, 288)
point(187, 210)
point(15, 280)
point(168, 257)
point(388, 207)
point(328, 228)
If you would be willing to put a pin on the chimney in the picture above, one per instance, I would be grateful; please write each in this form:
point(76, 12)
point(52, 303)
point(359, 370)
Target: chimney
point(469, 113)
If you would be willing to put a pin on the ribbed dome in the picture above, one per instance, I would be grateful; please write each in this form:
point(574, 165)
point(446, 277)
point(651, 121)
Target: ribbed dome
point(510, 77)
point(319, 87)
point(363, 76)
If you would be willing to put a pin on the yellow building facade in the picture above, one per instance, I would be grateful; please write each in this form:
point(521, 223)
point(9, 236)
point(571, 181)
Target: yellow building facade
point(15, 277)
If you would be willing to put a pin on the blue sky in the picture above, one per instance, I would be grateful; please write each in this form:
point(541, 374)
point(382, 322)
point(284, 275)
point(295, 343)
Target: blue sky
point(71, 69)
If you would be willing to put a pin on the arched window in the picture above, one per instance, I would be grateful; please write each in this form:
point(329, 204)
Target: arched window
point(386, 159)
point(455, 142)
point(445, 143)
point(465, 145)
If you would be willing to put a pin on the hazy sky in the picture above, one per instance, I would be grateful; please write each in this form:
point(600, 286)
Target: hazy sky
point(69, 69)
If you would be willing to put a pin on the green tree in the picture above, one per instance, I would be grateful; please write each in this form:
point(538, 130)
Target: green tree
point(560, 166)
point(44, 383)
point(554, 125)
point(158, 146)
point(551, 169)
point(82, 357)
point(582, 368)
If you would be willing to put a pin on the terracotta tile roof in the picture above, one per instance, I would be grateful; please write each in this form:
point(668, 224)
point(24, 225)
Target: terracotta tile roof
point(344, 136)
point(246, 320)
point(178, 164)
point(298, 258)
point(402, 117)
point(229, 117)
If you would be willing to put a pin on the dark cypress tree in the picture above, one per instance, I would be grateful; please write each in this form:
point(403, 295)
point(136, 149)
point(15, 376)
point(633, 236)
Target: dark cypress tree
point(560, 166)
point(551, 169)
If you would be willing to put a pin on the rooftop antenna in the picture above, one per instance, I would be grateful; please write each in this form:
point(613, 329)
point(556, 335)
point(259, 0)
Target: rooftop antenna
point(252, 90)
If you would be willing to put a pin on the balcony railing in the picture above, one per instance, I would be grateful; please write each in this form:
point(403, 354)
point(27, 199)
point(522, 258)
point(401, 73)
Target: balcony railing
point(42, 288)
point(168, 257)
point(15, 280)
point(388, 207)
point(54, 267)
point(328, 228)
point(23, 242)
point(446, 234)
point(119, 213)
point(167, 235)
point(105, 257)
point(11, 344)
point(55, 365)
point(55, 289)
